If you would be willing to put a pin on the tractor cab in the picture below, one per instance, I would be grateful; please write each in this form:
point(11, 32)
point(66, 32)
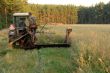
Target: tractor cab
point(19, 33)
point(20, 20)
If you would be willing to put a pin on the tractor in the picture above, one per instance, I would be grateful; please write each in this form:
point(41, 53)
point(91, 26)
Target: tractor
point(21, 36)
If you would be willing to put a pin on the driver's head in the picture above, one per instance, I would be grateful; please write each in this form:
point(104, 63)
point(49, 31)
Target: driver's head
point(30, 13)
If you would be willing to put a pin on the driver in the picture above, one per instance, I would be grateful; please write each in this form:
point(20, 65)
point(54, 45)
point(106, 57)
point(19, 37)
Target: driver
point(32, 26)
point(32, 23)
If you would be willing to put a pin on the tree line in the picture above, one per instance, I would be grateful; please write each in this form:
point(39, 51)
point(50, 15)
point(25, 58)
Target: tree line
point(47, 14)
point(98, 14)
point(55, 13)
point(7, 8)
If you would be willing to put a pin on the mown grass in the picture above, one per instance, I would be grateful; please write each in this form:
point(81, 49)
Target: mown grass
point(89, 52)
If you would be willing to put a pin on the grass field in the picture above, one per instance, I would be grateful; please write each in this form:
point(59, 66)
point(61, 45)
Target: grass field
point(89, 52)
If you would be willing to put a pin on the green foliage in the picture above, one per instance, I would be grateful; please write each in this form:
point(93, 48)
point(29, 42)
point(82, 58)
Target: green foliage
point(98, 14)
point(49, 38)
point(7, 8)
point(2, 22)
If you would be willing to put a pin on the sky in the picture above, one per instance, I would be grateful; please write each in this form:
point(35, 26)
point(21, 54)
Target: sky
point(66, 2)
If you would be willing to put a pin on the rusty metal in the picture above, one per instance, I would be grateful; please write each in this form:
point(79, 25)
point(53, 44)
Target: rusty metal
point(68, 31)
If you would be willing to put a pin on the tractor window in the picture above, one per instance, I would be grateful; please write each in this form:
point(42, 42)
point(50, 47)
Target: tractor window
point(22, 22)
point(17, 19)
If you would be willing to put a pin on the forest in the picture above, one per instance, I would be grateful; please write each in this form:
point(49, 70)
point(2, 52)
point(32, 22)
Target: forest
point(49, 14)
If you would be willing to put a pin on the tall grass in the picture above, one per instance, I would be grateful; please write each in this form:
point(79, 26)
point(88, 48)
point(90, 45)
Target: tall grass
point(90, 49)
point(89, 52)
